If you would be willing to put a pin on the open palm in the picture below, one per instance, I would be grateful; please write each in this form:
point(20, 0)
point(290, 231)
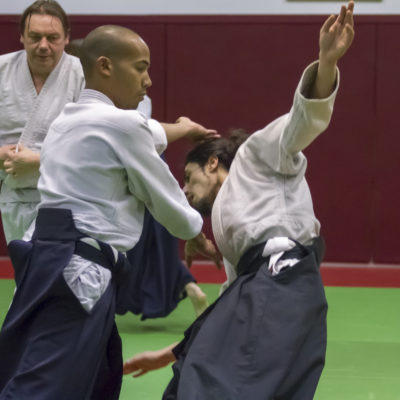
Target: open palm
point(336, 34)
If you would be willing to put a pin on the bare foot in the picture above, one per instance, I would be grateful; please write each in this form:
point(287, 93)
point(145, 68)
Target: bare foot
point(197, 297)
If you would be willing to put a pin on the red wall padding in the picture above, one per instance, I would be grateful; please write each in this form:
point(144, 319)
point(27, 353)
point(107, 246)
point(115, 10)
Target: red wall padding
point(241, 71)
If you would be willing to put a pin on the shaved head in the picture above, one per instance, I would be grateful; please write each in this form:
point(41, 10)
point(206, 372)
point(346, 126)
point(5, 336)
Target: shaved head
point(115, 61)
point(110, 41)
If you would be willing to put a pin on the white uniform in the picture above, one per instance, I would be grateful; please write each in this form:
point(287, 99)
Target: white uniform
point(145, 106)
point(266, 194)
point(106, 170)
point(25, 117)
point(268, 331)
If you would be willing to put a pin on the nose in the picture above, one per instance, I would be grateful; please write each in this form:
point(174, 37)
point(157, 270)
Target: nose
point(147, 81)
point(43, 44)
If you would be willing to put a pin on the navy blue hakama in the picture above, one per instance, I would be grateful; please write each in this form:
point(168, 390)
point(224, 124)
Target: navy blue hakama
point(156, 282)
point(51, 347)
point(263, 339)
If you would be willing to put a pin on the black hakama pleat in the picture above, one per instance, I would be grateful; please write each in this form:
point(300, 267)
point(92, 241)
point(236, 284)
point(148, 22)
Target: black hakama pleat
point(263, 339)
point(156, 282)
point(50, 346)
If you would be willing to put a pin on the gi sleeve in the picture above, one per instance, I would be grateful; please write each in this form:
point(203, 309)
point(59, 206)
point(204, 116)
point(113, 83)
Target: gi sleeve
point(151, 181)
point(279, 144)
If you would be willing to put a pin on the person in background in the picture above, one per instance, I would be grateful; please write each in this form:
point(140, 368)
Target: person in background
point(35, 84)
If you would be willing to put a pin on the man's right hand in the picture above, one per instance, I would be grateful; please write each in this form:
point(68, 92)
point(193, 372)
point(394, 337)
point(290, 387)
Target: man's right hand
point(4, 151)
point(200, 245)
point(147, 361)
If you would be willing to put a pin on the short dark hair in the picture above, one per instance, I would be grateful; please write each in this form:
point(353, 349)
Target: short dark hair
point(45, 7)
point(223, 148)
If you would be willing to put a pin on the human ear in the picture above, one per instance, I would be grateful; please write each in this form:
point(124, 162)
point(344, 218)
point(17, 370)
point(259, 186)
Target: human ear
point(66, 40)
point(212, 163)
point(104, 66)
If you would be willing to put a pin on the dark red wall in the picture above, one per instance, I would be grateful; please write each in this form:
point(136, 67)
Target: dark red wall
point(241, 71)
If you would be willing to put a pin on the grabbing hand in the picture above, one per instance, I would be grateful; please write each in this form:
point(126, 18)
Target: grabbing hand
point(4, 151)
point(22, 162)
point(203, 246)
point(337, 34)
point(196, 132)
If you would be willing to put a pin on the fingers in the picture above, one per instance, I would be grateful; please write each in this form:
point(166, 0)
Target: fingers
point(342, 15)
point(345, 17)
point(350, 6)
point(328, 23)
point(346, 14)
point(350, 33)
point(9, 168)
point(139, 373)
point(127, 368)
point(213, 133)
point(132, 366)
point(349, 20)
point(218, 262)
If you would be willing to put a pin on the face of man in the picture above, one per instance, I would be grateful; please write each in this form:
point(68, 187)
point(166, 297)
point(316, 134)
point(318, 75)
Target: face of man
point(130, 76)
point(44, 41)
point(200, 188)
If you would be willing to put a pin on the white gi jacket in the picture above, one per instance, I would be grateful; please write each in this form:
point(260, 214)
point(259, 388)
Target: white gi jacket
point(266, 194)
point(23, 111)
point(103, 163)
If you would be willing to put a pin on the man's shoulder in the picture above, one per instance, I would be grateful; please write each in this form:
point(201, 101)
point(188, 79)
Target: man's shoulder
point(125, 120)
point(75, 66)
point(9, 58)
point(107, 114)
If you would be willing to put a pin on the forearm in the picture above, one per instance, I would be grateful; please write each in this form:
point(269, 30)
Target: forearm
point(174, 131)
point(325, 80)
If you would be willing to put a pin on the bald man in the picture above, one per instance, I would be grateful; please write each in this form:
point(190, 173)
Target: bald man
point(100, 168)
point(158, 280)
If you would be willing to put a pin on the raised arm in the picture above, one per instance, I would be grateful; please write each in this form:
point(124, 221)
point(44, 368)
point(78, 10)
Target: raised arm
point(319, 87)
point(335, 38)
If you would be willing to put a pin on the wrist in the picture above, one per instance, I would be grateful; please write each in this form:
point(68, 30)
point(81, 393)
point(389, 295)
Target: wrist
point(326, 64)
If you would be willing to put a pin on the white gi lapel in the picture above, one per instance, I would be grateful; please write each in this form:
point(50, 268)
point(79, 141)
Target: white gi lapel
point(45, 109)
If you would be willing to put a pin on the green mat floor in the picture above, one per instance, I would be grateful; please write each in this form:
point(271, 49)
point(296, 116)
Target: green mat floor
point(363, 358)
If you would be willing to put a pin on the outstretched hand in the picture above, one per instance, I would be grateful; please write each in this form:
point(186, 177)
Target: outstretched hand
point(337, 34)
point(335, 38)
point(195, 131)
point(147, 361)
point(200, 245)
